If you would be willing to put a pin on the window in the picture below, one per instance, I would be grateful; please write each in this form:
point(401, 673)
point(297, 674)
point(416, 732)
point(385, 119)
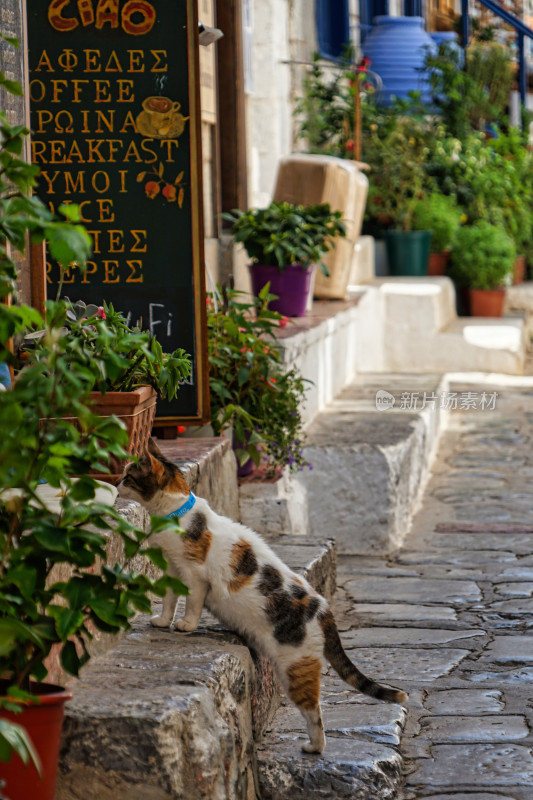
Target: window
point(332, 26)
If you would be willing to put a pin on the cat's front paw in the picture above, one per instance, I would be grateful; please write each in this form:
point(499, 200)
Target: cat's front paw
point(184, 626)
point(159, 622)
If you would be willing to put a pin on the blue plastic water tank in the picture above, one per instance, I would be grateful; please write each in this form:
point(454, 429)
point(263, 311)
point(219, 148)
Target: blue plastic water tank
point(397, 48)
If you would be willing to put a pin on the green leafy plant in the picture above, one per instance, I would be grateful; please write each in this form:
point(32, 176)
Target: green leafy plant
point(252, 390)
point(120, 357)
point(56, 586)
point(440, 215)
point(285, 234)
point(482, 256)
point(398, 178)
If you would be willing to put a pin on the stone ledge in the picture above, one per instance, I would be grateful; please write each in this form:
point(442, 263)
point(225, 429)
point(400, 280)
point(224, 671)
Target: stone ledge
point(167, 716)
point(370, 466)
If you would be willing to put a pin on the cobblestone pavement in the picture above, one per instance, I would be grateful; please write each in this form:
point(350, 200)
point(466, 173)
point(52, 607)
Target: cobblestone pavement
point(450, 618)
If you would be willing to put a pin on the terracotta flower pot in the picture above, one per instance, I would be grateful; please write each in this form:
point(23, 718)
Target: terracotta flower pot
point(137, 410)
point(519, 270)
point(43, 724)
point(487, 302)
point(438, 262)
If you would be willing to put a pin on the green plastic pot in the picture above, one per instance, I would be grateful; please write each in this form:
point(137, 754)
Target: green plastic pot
point(407, 252)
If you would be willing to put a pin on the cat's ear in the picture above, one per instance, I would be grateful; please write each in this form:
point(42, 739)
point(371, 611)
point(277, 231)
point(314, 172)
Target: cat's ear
point(153, 449)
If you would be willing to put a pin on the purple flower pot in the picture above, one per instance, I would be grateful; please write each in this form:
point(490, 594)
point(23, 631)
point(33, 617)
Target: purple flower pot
point(291, 286)
point(248, 467)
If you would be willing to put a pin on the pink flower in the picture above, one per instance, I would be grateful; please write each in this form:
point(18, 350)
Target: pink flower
point(101, 313)
point(349, 144)
point(284, 321)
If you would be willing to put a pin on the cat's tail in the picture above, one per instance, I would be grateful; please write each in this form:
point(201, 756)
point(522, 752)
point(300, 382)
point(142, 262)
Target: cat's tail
point(334, 653)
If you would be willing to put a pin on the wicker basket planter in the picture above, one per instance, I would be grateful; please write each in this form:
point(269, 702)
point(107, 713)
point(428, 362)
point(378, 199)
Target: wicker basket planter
point(137, 410)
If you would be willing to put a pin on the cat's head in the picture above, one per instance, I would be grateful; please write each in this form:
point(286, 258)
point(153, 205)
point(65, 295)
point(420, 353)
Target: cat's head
point(152, 474)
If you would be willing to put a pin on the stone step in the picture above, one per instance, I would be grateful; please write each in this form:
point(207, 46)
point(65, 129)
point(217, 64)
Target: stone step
point(415, 329)
point(167, 716)
point(360, 760)
point(519, 300)
point(370, 465)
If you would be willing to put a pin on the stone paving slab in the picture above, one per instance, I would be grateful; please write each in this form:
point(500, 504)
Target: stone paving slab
point(385, 613)
point(404, 637)
point(396, 664)
point(469, 796)
point(464, 701)
point(411, 590)
point(457, 557)
point(517, 589)
point(517, 543)
point(485, 764)
point(502, 728)
point(516, 607)
point(509, 648)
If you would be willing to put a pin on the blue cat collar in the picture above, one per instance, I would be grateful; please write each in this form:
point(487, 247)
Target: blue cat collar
point(179, 512)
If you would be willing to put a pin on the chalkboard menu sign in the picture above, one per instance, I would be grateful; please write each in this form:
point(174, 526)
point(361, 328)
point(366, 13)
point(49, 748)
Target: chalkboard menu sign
point(115, 119)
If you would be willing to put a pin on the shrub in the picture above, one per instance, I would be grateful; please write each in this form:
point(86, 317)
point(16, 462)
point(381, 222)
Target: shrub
point(482, 256)
point(440, 215)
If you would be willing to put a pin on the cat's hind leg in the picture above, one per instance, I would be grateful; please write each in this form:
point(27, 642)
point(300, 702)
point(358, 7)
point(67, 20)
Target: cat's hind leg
point(303, 684)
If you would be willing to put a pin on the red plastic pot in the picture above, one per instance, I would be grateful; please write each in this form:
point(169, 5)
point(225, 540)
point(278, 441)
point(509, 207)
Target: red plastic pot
point(519, 270)
point(486, 302)
point(438, 262)
point(291, 286)
point(43, 724)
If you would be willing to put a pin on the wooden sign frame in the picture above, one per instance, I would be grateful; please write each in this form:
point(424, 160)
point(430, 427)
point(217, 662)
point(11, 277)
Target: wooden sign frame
point(178, 201)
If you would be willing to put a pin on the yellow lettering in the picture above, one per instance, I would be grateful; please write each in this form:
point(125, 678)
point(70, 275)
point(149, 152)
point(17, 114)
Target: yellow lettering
point(169, 144)
point(75, 152)
point(90, 269)
point(85, 116)
point(44, 61)
point(113, 59)
point(105, 209)
point(82, 212)
point(136, 60)
point(75, 185)
point(131, 11)
point(139, 245)
point(85, 9)
point(97, 183)
point(58, 90)
point(107, 11)
point(44, 117)
point(36, 84)
point(132, 152)
point(38, 150)
point(92, 63)
point(134, 276)
point(70, 122)
point(102, 91)
point(57, 155)
point(108, 122)
point(57, 21)
point(77, 88)
point(159, 55)
point(109, 272)
point(116, 241)
point(122, 173)
point(129, 122)
point(146, 149)
point(94, 150)
point(125, 88)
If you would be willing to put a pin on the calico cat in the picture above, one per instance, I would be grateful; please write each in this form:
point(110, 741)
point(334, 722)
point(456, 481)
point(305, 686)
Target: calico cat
point(232, 571)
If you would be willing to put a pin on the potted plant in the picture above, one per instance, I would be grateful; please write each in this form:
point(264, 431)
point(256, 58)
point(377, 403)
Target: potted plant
point(397, 186)
point(284, 242)
point(129, 369)
point(252, 391)
point(482, 260)
point(52, 595)
point(440, 215)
